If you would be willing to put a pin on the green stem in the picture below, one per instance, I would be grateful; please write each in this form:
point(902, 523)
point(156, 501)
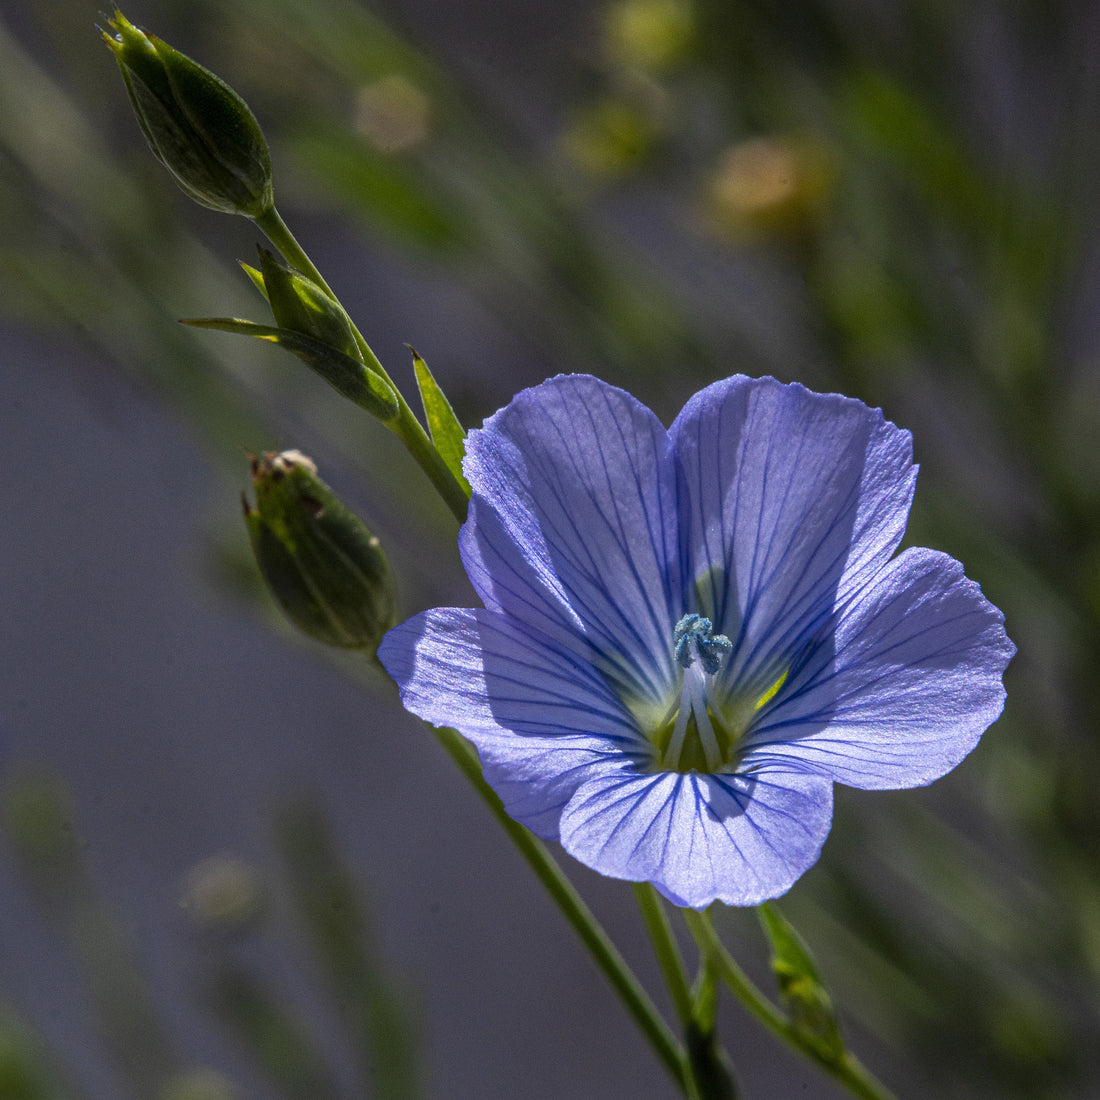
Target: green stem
point(706, 1072)
point(607, 956)
point(665, 948)
point(411, 432)
point(279, 234)
point(707, 1062)
point(847, 1069)
point(405, 425)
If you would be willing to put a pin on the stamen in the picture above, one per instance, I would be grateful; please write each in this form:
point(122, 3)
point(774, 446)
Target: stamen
point(676, 743)
point(711, 751)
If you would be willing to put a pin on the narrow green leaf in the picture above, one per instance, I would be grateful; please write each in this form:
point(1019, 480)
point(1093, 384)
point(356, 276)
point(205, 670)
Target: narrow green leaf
point(233, 324)
point(27, 1071)
point(353, 379)
point(447, 433)
point(276, 1037)
point(807, 1000)
point(256, 276)
point(335, 915)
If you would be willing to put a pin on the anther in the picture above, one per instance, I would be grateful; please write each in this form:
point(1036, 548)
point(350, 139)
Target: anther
point(694, 637)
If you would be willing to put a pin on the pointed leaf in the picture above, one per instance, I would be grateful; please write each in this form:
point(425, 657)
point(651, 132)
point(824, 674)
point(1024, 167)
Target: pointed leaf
point(807, 1000)
point(234, 324)
point(256, 276)
point(447, 433)
point(353, 379)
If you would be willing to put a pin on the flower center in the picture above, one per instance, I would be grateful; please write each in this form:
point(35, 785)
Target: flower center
point(696, 739)
point(700, 731)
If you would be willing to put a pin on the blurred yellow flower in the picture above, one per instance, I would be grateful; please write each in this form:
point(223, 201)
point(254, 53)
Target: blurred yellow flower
point(652, 35)
point(770, 185)
point(393, 114)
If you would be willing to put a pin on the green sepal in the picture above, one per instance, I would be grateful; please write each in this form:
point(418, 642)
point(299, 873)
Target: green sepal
point(350, 377)
point(447, 433)
point(195, 124)
point(300, 305)
point(807, 1001)
point(320, 561)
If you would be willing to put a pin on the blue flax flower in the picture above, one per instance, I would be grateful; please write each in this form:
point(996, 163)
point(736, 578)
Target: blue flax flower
point(689, 635)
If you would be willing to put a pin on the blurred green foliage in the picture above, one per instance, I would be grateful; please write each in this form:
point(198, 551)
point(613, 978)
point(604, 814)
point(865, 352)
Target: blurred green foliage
point(896, 201)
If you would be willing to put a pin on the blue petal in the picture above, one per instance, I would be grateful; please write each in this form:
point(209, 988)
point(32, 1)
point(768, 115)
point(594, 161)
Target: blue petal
point(795, 499)
point(573, 526)
point(540, 718)
point(910, 681)
point(700, 838)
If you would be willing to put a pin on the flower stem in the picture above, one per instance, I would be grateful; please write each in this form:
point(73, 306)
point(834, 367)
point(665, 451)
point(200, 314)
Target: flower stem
point(700, 1049)
point(665, 948)
point(846, 1069)
point(708, 1063)
point(584, 923)
point(405, 425)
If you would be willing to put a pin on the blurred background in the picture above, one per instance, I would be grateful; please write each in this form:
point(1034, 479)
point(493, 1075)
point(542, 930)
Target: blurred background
point(230, 866)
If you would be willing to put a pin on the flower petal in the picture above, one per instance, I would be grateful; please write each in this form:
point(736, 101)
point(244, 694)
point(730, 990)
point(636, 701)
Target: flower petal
point(909, 684)
point(700, 838)
point(796, 498)
point(539, 717)
point(573, 526)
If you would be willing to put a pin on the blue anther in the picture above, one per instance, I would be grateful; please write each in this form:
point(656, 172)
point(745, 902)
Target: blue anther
point(694, 637)
point(682, 635)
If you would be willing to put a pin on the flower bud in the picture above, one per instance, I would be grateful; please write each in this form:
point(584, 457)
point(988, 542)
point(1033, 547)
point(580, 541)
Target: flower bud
point(321, 563)
point(196, 125)
point(299, 305)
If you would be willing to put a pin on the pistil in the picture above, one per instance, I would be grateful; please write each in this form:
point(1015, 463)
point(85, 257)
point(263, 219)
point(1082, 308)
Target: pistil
point(693, 705)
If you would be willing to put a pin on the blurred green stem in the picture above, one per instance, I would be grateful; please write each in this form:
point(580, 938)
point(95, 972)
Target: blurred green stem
point(405, 426)
point(847, 1069)
point(337, 919)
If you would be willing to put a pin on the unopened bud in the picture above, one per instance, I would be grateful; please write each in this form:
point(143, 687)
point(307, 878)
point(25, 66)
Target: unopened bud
point(196, 125)
point(321, 563)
